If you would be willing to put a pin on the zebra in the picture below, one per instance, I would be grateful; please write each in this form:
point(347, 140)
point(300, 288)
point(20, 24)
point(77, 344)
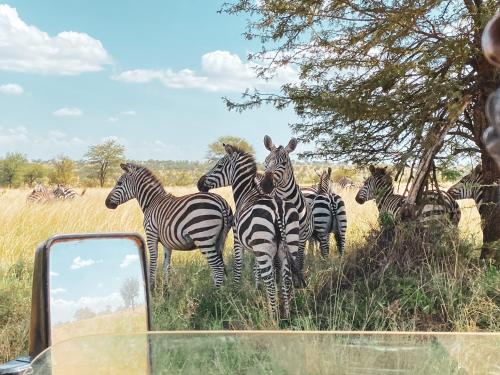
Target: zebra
point(40, 194)
point(200, 220)
point(329, 213)
point(436, 205)
point(279, 177)
point(346, 183)
point(64, 193)
point(471, 186)
point(266, 226)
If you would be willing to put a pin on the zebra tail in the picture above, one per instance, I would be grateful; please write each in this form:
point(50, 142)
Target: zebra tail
point(336, 226)
point(228, 219)
point(83, 192)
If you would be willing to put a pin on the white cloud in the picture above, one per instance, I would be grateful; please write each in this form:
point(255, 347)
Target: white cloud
point(112, 119)
point(52, 273)
point(129, 113)
point(25, 48)
point(57, 291)
point(81, 263)
point(70, 111)
point(11, 88)
point(129, 259)
point(220, 71)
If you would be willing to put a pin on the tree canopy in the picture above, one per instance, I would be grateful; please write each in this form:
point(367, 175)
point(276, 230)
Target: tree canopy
point(105, 158)
point(216, 149)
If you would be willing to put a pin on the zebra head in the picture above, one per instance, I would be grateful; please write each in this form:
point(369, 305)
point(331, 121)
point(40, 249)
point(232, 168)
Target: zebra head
point(380, 182)
point(278, 171)
point(126, 186)
point(324, 184)
point(468, 186)
point(222, 172)
point(39, 188)
point(58, 191)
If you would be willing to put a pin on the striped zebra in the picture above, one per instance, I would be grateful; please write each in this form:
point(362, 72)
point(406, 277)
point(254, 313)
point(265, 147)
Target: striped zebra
point(64, 193)
point(40, 194)
point(436, 205)
point(266, 226)
point(471, 186)
point(200, 220)
point(279, 178)
point(329, 213)
point(346, 183)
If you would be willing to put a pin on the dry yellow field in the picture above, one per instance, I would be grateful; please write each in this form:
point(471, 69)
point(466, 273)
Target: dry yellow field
point(24, 226)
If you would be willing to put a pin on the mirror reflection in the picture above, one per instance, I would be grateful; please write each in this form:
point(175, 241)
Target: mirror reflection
point(96, 286)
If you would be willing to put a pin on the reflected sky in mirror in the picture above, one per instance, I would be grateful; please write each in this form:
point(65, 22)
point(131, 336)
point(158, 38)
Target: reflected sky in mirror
point(99, 284)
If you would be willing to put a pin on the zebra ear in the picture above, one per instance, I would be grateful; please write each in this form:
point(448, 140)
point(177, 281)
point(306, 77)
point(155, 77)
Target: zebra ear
point(317, 172)
point(229, 149)
point(268, 142)
point(372, 169)
point(125, 167)
point(478, 168)
point(329, 171)
point(291, 145)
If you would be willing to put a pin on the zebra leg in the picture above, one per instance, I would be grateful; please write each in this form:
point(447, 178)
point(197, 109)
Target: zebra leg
point(152, 241)
point(256, 273)
point(286, 280)
point(166, 264)
point(238, 259)
point(324, 243)
point(264, 259)
point(340, 239)
point(214, 259)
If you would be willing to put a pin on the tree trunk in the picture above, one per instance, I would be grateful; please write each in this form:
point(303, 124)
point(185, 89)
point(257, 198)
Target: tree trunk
point(490, 210)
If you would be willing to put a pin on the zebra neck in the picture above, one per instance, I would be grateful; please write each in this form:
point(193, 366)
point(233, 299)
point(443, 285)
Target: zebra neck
point(243, 186)
point(290, 191)
point(382, 195)
point(146, 196)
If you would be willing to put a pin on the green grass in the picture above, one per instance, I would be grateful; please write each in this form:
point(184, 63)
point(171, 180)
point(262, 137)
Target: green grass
point(438, 286)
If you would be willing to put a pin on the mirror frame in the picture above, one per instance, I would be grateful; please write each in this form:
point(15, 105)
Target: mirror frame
point(39, 333)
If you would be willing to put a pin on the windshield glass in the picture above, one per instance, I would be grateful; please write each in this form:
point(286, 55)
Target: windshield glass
point(276, 352)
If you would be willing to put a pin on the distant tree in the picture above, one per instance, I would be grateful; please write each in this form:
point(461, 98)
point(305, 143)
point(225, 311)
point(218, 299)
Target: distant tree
point(63, 171)
point(33, 172)
point(129, 292)
point(216, 149)
point(104, 158)
point(11, 168)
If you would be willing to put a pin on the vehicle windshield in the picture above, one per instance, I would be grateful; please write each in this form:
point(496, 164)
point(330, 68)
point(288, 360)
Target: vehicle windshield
point(273, 352)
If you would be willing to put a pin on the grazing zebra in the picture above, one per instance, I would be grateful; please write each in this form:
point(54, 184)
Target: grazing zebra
point(64, 193)
point(436, 205)
point(40, 194)
point(346, 183)
point(266, 226)
point(279, 178)
point(329, 213)
point(200, 220)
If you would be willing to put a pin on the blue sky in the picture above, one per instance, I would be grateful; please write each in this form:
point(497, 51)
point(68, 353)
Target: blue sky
point(150, 74)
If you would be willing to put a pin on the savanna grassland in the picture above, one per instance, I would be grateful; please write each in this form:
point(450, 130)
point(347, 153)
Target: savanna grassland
point(418, 285)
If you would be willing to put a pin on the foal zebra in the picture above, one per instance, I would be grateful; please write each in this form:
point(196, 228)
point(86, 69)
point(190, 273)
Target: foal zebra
point(267, 227)
point(279, 178)
point(64, 193)
point(200, 220)
point(435, 206)
point(329, 213)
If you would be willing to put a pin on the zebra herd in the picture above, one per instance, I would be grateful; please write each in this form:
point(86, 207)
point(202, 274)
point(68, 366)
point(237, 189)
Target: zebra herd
point(42, 194)
point(273, 217)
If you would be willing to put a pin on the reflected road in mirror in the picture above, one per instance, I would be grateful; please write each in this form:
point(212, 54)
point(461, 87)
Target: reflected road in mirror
point(96, 286)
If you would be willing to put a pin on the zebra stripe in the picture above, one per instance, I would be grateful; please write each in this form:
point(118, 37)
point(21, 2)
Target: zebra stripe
point(267, 227)
point(279, 178)
point(64, 193)
point(194, 221)
point(435, 206)
point(329, 213)
point(41, 194)
point(346, 183)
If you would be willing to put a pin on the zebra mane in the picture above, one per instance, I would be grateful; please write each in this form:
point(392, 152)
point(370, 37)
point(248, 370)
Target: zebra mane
point(147, 172)
point(253, 163)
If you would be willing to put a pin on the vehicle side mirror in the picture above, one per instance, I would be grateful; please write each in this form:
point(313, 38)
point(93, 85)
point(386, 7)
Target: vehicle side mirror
point(86, 284)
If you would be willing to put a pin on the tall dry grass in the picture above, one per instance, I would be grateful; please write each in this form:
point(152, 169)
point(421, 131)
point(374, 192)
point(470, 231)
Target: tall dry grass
point(191, 302)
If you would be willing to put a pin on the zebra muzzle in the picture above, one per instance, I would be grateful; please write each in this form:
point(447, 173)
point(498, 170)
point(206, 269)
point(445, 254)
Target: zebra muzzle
point(202, 185)
point(267, 183)
point(109, 204)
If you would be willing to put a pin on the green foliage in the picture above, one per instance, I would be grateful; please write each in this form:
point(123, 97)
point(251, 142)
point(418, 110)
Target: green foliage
point(34, 172)
point(104, 159)
point(216, 149)
point(450, 174)
point(63, 171)
point(11, 168)
point(344, 171)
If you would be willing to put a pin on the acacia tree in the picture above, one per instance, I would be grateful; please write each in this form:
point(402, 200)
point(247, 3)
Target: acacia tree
point(216, 149)
point(63, 171)
point(104, 158)
point(381, 80)
point(11, 168)
point(33, 172)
